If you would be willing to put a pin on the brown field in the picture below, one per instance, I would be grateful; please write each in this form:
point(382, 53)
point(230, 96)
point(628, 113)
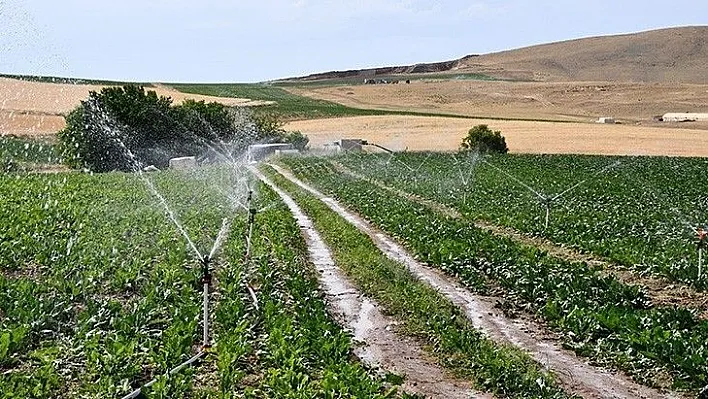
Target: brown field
point(444, 134)
point(566, 101)
point(37, 108)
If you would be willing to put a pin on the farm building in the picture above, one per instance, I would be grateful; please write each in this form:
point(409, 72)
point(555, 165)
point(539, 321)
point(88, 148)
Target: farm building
point(685, 117)
point(257, 152)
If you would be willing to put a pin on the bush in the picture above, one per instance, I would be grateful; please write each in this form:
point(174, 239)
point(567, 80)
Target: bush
point(125, 128)
point(483, 139)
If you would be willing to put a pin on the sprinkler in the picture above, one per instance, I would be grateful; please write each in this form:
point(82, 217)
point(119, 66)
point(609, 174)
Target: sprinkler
point(545, 200)
point(364, 142)
point(702, 243)
point(206, 281)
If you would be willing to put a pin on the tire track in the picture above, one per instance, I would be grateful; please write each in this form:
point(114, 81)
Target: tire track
point(576, 375)
point(380, 347)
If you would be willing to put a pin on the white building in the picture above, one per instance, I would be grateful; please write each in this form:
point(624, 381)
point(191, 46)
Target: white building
point(685, 117)
point(608, 120)
point(257, 152)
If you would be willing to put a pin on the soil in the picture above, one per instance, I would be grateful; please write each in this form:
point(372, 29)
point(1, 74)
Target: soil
point(628, 103)
point(420, 133)
point(575, 374)
point(37, 108)
point(379, 346)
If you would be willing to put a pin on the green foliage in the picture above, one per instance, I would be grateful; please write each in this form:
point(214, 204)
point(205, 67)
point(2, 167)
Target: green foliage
point(423, 311)
point(481, 138)
point(124, 128)
point(17, 154)
point(597, 315)
point(270, 125)
point(297, 139)
point(97, 293)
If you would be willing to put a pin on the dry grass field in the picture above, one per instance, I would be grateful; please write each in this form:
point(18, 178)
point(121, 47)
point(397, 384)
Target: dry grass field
point(37, 108)
point(566, 101)
point(444, 134)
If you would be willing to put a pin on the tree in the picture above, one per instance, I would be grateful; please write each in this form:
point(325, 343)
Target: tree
point(297, 139)
point(125, 128)
point(483, 139)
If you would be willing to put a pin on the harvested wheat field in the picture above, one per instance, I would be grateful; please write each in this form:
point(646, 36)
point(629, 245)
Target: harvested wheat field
point(566, 101)
point(37, 108)
point(445, 134)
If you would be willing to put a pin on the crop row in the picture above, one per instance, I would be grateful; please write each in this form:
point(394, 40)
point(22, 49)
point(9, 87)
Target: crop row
point(99, 293)
point(17, 152)
point(424, 313)
point(596, 315)
point(640, 212)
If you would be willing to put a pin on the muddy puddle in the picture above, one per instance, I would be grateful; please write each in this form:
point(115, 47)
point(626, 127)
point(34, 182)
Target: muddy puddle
point(377, 344)
point(576, 375)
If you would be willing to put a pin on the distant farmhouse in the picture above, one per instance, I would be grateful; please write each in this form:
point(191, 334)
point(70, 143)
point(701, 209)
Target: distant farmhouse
point(685, 117)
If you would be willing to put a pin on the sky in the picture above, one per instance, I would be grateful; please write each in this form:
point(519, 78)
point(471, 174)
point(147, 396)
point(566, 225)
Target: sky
point(259, 40)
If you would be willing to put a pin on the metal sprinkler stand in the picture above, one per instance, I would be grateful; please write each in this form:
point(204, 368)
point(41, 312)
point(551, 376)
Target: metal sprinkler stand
point(546, 202)
point(206, 281)
point(701, 244)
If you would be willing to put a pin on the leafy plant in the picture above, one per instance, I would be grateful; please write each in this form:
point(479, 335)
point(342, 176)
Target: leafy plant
point(483, 139)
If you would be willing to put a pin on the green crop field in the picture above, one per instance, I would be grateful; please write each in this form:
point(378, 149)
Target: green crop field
point(640, 212)
point(288, 105)
point(99, 294)
point(614, 213)
point(20, 152)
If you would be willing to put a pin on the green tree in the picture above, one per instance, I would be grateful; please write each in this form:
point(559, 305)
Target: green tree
point(484, 140)
point(297, 139)
point(124, 128)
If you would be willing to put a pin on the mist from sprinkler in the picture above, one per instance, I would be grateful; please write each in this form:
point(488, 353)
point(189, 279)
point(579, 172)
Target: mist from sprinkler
point(547, 200)
point(700, 232)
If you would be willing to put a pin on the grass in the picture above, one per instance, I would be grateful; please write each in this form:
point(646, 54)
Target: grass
point(425, 313)
point(293, 107)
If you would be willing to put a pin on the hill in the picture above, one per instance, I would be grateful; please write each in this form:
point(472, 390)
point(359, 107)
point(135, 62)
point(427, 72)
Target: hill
point(658, 56)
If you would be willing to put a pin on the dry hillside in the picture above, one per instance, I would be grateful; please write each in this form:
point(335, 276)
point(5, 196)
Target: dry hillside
point(665, 55)
point(659, 56)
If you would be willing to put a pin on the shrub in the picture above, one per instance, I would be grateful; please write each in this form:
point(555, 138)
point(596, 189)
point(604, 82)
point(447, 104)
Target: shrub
point(483, 139)
point(297, 139)
point(124, 128)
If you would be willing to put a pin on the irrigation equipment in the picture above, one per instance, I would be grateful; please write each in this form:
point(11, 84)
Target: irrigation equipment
point(702, 243)
point(546, 201)
point(365, 142)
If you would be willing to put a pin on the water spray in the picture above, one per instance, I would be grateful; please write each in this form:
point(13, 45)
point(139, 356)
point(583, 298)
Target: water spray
point(545, 200)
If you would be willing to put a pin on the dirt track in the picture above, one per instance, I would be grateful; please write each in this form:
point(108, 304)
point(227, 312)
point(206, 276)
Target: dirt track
point(36, 108)
point(445, 134)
